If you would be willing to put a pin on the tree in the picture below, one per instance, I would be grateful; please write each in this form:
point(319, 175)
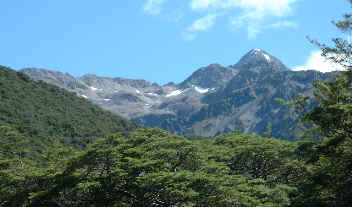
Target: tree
point(14, 168)
point(151, 167)
point(272, 160)
point(330, 158)
point(23, 175)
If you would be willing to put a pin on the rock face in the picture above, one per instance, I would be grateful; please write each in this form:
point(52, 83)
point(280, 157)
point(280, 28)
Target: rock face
point(213, 76)
point(258, 60)
point(213, 100)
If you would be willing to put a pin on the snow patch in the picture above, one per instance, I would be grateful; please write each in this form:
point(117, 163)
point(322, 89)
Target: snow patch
point(107, 99)
point(201, 90)
point(84, 96)
point(267, 57)
point(174, 93)
point(257, 50)
point(152, 94)
point(137, 91)
point(95, 89)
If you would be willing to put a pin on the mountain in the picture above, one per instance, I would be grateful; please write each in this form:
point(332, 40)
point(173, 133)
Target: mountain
point(127, 97)
point(213, 100)
point(39, 110)
point(246, 103)
point(213, 76)
point(258, 60)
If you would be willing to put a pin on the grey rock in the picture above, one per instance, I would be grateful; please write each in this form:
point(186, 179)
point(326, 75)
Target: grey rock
point(213, 76)
point(212, 101)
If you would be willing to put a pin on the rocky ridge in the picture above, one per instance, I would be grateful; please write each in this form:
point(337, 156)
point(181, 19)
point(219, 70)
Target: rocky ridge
point(213, 100)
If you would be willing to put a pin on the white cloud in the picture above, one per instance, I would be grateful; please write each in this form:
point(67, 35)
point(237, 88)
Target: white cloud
point(153, 7)
point(282, 24)
point(237, 23)
point(188, 36)
point(253, 31)
point(258, 9)
point(317, 62)
point(203, 24)
point(215, 4)
point(252, 13)
point(201, 4)
point(255, 16)
point(255, 28)
point(255, 9)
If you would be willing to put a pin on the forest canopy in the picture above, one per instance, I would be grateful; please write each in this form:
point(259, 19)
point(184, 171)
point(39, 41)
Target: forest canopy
point(93, 158)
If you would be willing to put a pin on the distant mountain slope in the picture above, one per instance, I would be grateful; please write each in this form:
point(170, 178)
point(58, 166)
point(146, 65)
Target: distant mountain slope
point(248, 104)
point(40, 110)
point(258, 60)
point(213, 100)
point(126, 97)
point(212, 76)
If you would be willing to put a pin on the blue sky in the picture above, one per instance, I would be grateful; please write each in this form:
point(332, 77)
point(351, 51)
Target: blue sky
point(160, 40)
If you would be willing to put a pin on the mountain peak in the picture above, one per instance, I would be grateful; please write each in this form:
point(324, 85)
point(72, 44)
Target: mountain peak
point(260, 53)
point(211, 76)
point(259, 60)
point(256, 50)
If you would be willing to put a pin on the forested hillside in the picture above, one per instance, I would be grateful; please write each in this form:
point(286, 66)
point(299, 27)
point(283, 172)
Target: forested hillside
point(151, 167)
point(121, 165)
point(39, 110)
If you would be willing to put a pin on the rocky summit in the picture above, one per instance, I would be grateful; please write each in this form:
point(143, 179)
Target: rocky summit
point(213, 100)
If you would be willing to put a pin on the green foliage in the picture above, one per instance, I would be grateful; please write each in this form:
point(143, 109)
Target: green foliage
point(329, 159)
point(255, 157)
point(151, 167)
point(148, 167)
point(39, 111)
point(330, 181)
point(15, 168)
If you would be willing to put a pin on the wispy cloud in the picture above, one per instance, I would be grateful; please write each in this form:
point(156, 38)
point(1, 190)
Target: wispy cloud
point(213, 4)
point(282, 24)
point(255, 16)
point(258, 9)
point(253, 31)
point(189, 36)
point(153, 7)
point(203, 24)
point(254, 28)
point(251, 13)
point(255, 9)
point(317, 62)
